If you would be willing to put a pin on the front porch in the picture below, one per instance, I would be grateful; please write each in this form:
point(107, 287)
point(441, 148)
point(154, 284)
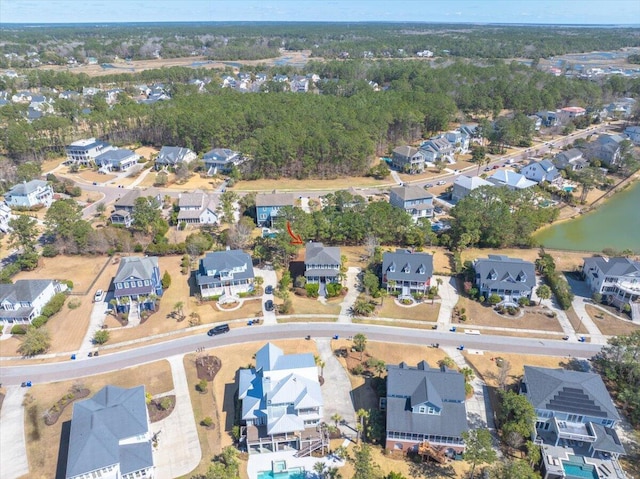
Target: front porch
point(304, 442)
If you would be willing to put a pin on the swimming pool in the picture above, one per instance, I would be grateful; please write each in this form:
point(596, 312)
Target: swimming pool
point(577, 471)
point(569, 188)
point(293, 473)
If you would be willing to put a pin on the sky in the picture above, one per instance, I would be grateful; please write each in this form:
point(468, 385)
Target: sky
point(564, 12)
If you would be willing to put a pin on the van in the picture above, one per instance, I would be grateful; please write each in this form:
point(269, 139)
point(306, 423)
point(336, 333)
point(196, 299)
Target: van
point(220, 329)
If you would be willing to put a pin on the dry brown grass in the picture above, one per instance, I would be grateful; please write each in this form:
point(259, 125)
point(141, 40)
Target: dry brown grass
point(42, 453)
point(565, 260)
point(608, 324)
point(92, 175)
point(289, 184)
point(302, 305)
point(576, 323)
point(424, 311)
point(532, 318)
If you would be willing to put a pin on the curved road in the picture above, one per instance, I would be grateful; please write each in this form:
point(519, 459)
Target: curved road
point(44, 373)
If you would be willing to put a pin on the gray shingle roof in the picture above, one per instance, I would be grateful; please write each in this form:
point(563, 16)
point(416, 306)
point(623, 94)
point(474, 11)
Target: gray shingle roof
point(409, 193)
point(115, 155)
point(408, 387)
point(607, 439)
point(471, 182)
point(129, 199)
point(502, 272)
point(557, 390)
point(172, 154)
point(617, 266)
point(274, 199)
point(24, 188)
point(100, 423)
point(23, 290)
point(136, 267)
point(406, 151)
point(225, 261)
point(407, 266)
point(317, 253)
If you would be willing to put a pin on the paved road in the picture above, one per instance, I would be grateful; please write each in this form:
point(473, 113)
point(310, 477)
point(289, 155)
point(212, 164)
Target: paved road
point(61, 371)
point(13, 448)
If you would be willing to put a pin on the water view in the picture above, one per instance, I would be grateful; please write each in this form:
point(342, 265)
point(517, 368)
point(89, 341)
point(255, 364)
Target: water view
point(614, 224)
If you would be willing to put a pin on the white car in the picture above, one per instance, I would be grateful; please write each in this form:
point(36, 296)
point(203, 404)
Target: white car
point(441, 182)
point(99, 296)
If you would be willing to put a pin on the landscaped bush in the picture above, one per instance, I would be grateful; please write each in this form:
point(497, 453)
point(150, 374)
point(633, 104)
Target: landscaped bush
point(166, 280)
point(49, 251)
point(333, 289)
point(494, 299)
point(523, 301)
point(39, 321)
point(557, 282)
point(54, 305)
point(74, 304)
point(207, 422)
point(312, 289)
point(19, 329)
point(357, 370)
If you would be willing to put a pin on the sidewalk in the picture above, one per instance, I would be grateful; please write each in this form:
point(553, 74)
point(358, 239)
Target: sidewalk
point(178, 451)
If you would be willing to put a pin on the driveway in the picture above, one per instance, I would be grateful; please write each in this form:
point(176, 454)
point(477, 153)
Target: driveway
point(13, 447)
point(99, 311)
point(178, 451)
point(449, 298)
point(353, 283)
point(581, 297)
point(561, 316)
point(336, 389)
point(270, 279)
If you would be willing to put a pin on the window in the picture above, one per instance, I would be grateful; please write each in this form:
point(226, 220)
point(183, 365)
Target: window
point(139, 283)
point(422, 409)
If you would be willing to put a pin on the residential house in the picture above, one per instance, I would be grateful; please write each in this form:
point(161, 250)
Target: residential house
point(510, 179)
point(575, 419)
point(426, 410)
point(228, 272)
point(573, 111)
point(416, 201)
point(616, 279)
point(633, 133)
point(282, 405)
point(70, 95)
point(90, 91)
point(268, 206)
point(5, 217)
point(542, 171)
point(322, 265)
point(197, 208)
point(622, 108)
point(572, 160)
point(122, 218)
point(472, 131)
point(137, 284)
point(537, 122)
point(407, 159)
point(607, 149)
point(22, 97)
point(172, 156)
point(30, 194)
point(84, 152)
point(110, 436)
point(549, 118)
point(406, 272)
point(22, 301)
point(509, 278)
point(464, 185)
point(459, 140)
point(438, 149)
point(128, 201)
point(117, 159)
point(299, 84)
point(221, 160)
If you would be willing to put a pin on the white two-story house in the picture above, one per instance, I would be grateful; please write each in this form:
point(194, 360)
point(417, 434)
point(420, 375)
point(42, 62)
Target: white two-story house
point(414, 200)
point(30, 194)
point(22, 301)
point(616, 279)
point(226, 272)
point(84, 152)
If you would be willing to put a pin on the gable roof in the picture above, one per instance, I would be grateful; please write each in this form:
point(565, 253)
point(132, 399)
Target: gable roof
point(617, 266)
point(115, 155)
point(510, 178)
point(220, 154)
point(410, 192)
point(23, 290)
point(471, 182)
point(26, 187)
point(317, 253)
point(409, 387)
point(271, 358)
point(172, 154)
point(129, 199)
point(570, 155)
point(406, 151)
point(403, 260)
point(573, 392)
point(274, 199)
point(137, 267)
point(100, 423)
point(227, 260)
point(506, 271)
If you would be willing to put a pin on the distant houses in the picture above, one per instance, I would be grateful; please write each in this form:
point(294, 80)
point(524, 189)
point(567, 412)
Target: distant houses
point(116, 159)
point(616, 279)
point(198, 208)
point(221, 160)
point(137, 284)
point(268, 206)
point(464, 185)
point(322, 265)
point(85, 152)
point(572, 160)
point(542, 172)
point(510, 179)
point(172, 156)
point(30, 194)
point(416, 201)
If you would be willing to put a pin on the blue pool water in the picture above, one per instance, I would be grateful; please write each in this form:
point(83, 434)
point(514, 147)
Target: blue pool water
point(569, 188)
point(576, 471)
point(293, 473)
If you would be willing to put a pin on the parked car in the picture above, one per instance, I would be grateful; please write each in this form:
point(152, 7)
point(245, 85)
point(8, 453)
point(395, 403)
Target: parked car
point(428, 185)
point(488, 168)
point(220, 329)
point(268, 305)
point(441, 182)
point(495, 167)
point(268, 289)
point(99, 296)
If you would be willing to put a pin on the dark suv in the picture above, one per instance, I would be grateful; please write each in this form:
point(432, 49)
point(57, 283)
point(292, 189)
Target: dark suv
point(268, 305)
point(223, 328)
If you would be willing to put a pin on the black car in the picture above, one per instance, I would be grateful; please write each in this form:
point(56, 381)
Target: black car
point(268, 290)
point(268, 305)
point(220, 329)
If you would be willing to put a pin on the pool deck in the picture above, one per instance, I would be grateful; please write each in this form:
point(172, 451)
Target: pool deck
point(263, 462)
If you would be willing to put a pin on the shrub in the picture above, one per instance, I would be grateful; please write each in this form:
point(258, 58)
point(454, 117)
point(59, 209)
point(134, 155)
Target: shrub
point(74, 304)
point(468, 389)
point(101, 336)
point(202, 386)
point(166, 403)
point(54, 305)
point(357, 370)
point(39, 321)
point(481, 299)
point(68, 282)
point(285, 307)
point(300, 282)
point(19, 329)
point(523, 301)
point(333, 289)
point(207, 422)
point(49, 251)
point(494, 299)
point(312, 289)
point(166, 280)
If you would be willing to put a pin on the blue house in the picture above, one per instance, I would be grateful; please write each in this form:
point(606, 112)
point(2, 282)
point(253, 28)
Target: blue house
point(137, 284)
point(268, 205)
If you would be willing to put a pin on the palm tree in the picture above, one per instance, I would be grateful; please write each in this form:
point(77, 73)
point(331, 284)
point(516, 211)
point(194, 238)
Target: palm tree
point(467, 373)
point(178, 310)
point(320, 363)
point(383, 294)
point(337, 418)
point(258, 281)
point(362, 415)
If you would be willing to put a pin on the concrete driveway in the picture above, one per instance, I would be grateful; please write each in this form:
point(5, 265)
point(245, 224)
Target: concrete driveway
point(270, 279)
point(178, 451)
point(448, 299)
point(13, 447)
point(581, 297)
point(336, 389)
point(353, 283)
point(98, 313)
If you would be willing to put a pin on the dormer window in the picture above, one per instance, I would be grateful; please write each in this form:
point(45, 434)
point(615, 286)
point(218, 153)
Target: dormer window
point(392, 268)
point(493, 275)
point(406, 269)
point(522, 277)
point(421, 269)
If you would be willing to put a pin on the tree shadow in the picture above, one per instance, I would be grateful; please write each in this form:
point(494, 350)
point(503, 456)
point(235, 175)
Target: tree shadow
point(576, 364)
point(431, 469)
point(63, 450)
point(229, 406)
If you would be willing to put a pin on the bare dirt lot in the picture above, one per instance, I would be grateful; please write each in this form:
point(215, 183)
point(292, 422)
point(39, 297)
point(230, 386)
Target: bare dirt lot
point(610, 325)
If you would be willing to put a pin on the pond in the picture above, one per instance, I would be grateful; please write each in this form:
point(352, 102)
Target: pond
point(614, 224)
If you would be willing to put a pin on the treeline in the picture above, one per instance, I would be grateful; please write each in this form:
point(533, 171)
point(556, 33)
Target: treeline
point(557, 282)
